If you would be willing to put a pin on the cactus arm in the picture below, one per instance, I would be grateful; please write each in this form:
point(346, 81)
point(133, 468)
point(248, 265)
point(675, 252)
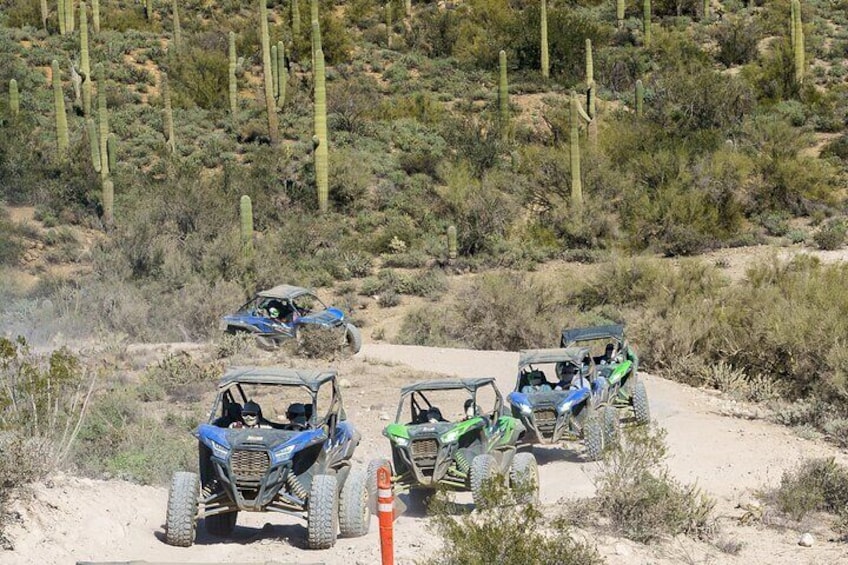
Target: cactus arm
point(322, 150)
point(266, 71)
point(62, 140)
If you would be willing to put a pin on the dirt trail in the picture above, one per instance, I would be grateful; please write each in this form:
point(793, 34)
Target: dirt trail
point(70, 519)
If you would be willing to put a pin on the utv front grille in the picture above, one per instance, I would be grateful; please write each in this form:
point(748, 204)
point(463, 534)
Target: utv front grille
point(424, 452)
point(545, 420)
point(249, 465)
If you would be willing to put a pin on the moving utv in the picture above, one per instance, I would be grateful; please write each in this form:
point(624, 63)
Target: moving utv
point(617, 367)
point(557, 397)
point(301, 466)
point(442, 437)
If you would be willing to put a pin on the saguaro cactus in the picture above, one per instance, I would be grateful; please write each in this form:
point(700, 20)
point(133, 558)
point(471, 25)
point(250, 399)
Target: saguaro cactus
point(148, 9)
point(640, 97)
point(246, 217)
point(388, 9)
point(112, 151)
point(85, 63)
point(546, 66)
point(619, 13)
point(60, 13)
point(14, 97)
point(45, 13)
point(591, 95)
point(69, 16)
point(233, 81)
point(274, 82)
point(266, 71)
point(168, 114)
point(295, 19)
point(576, 178)
point(451, 242)
point(646, 21)
point(503, 95)
point(282, 74)
point(103, 115)
point(797, 37)
point(93, 142)
point(62, 140)
point(95, 15)
point(178, 35)
point(322, 149)
point(707, 10)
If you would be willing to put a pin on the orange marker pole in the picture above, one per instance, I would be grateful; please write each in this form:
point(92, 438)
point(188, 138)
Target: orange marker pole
point(385, 511)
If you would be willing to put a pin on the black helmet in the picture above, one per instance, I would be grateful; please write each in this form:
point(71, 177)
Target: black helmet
point(296, 410)
point(434, 414)
point(251, 408)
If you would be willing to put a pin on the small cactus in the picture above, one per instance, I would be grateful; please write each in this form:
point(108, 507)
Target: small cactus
point(576, 114)
point(503, 95)
point(168, 114)
point(233, 81)
point(452, 242)
point(45, 14)
point(546, 66)
point(619, 13)
point(322, 150)
point(246, 216)
point(62, 139)
point(148, 9)
point(14, 97)
point(282, 75)
point(706, 10)
point(640, 97)
point(646, 21)
point(266, 71)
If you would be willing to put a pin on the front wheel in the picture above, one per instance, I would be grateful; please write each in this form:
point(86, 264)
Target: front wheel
point(611, 428)
point(353, 338)
point(483, 469)
point(354, 510)
point(180, 522)
point(524, 476)
point(639, 400)
point(322, 520)
point(593, 436)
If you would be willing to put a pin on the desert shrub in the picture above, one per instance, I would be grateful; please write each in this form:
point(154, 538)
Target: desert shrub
point(507, 533)
point(837, 148)
point(776, 224)
point(426, 325)
point(199, 75)
point(11, 247)
point(642, 501)
point(816, 485)
point(430, 283)
point(737, 39)
point(180, 376)
point(388, 298)
point(319, 343)
point(738, 385)
point(831, 235)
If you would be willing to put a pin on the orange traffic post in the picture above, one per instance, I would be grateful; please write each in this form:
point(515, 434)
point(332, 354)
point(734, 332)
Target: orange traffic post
point(385, 511)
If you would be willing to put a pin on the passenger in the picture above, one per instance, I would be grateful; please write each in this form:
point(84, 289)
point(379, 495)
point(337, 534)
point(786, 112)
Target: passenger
point(296, 414)
point(251, 417)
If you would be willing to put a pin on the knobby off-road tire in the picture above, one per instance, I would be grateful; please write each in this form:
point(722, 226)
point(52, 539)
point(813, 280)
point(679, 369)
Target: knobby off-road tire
point(221, 525)
point(181, 523)
point(639, 400)
point(483, 468)
point(611, 427)
point(593, 436)
point(353, 338)
point(524, 474)
point(323, 519)
point(373, 465)
point(354, 510)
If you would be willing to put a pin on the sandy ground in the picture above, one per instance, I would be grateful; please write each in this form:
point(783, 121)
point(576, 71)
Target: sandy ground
point(70, 519)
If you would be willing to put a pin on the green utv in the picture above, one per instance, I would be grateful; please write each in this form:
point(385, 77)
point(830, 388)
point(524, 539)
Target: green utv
point(454, 434)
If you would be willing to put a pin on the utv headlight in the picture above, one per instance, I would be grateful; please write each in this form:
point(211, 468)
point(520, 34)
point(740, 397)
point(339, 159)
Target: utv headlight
point(450, 437)
point(400, 441)
point(284, 453)
point(564, 406)
point(219, 450)
point(525, 409)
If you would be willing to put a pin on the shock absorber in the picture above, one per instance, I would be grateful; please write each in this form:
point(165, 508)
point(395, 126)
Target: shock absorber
point(296, 487)
point(461, 461)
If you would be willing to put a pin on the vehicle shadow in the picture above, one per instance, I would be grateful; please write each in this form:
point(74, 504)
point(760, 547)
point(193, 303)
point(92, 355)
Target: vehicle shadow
point(554, 454)
point(294, 535)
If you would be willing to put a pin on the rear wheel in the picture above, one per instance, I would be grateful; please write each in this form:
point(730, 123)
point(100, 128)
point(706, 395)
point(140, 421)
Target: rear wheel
point(221, 525)
point(524, 475)
point(371, 481)
point(483, 468)
point(354, 510)
point(610, 425)
point(322, 520)
point(353, 338)
point(180, 522)
point(593, 436)
point(639, 400)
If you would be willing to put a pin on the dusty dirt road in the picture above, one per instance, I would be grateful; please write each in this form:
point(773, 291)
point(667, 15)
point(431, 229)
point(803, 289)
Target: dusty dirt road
point(70, 519)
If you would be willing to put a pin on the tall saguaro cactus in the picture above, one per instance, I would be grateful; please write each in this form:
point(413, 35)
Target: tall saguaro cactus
point(168, 114)
point(646, 21)
point(503, 95)
point(619, 13)
point(112, 151)
point(93, 142)
point(576, 114)
point(14, 97)
point(281, 75)
point(322, 149)
point(45, 13)
point(148, 10)
point(546, 65)
point(103, 117)
point(388, 9)
point(266, 71)
point(452, 242)
point(246, 217)
point(591, 95)
point(178, 34)
point(796, 27)
point(62, 140)
point(233, 81)
point(295, 19)
point(707, 10)
point(95, 15)
point(85, 63)
point(60, 13)
point(69, 16)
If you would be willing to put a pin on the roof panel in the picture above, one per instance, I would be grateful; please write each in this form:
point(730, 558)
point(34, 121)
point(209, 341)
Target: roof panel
point(569, 354)
point(572, 335)
point(283, 291)
point(447, 384)
point(276, 375)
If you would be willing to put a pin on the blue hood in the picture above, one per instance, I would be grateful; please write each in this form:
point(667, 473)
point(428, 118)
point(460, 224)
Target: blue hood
point(328, 317)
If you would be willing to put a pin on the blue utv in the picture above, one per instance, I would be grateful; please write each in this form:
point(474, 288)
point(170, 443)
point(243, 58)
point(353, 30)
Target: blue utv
point(297, 464)
point(558, 398)
point(278, 314)
point(617, 367)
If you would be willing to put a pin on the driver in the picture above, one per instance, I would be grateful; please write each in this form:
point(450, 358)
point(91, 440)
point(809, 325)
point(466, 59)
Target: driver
point(251, 417)
point(296, 414)
point(471, 409)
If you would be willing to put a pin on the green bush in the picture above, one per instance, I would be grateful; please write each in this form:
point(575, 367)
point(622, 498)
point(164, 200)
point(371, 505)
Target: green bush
point(640, 498)
point(816, 485)
point(831, 235)
point(737, 39)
